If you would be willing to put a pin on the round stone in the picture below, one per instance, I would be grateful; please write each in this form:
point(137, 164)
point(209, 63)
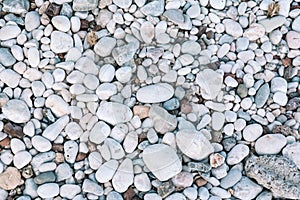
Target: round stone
point(48, 190)
point(252, 132)
point(237, 154)
point(270, 144)
point(41, 144)
point(61, 23)
point(155, 93)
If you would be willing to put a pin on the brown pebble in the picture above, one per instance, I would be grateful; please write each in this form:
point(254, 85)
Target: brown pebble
point(92, 38)
point(27, 172)
point(53, 10)
point(129, 194)
point(80, 156)
point(13, 130)
point(183, 180)
point(92, 147)
point(58, 147)
point(216, 160)
point(200, 181)
point(286, 62)
point(84, 24)
point(141, 111)
point(201, 31)
point(185, 107)
point(10, 179)
point(214, 65)
point(5, 142)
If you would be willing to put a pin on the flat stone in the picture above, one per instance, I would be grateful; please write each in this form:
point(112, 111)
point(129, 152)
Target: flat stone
point(217, 120)
point(155, 93)
point(6, 57)
point(48, 190)
point(217, 4)
point(53, 130)
point(174, 15)
point(32, 21)
point(162, 120)
point(183, 180)
point(92, 187)
point(106, 171)
point(123, 74)
point(57, 105)
point(95, 160)
point(60, 42)
point(270, 144)
point(142, 182)
point(84, 5)
point(106, 90)
point(73, 130)
point(115, 148)
point(237, 154)
point(45, 177)
point(280, 98)
point(114, 113)
point(107, 73)
point(124, 53)
point(10, 178)
point(40, 143)
point(211, 87)
point(254, 32)
point(10, 78)
point(191, 47)
point(246, 189)
point(63, 172)
point(262, 95)
point(105, 46)
point(9, 32)
point(169, 164)
point(16, 111)
point(271, 24)
point(252, 132)
point(61, 23)
point(123, 178)
point(296, 24)
point(279, 84)
point(21, 159)
point(233, 176)
point(193, 144)
point(87, 66)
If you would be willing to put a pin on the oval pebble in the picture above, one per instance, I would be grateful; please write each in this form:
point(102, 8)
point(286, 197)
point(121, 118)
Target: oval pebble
point(237, 154)
point(41, 144)
point(156, 93)
point(270, 144)
point(252, 132)
point(48, 190)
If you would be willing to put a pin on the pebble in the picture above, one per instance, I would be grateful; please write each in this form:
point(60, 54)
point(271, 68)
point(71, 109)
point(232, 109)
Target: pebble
point(217, 120)
point(252, 132)
point(279, 84)
point(61, 23)
point(63, 172)
point(84, 5)
point(233, 28)
point(142, 182)
point(280, 98)
point(21, 159)
point(33, 57)
point(17, 7)
point(262, 95)
point(246, 189)
point(6, 58)
point(9, 32)
point(183, 180)
point(232, 177)
point(114, 113)
point(99, 132)
point(41, 144)
point(57, 105)
point(60, 42)
point(123, 74)
point(193, 144)
point(106, 73)
point(69, 191)
point(254, 32)
point(122, 4)
point(163, 121)
point(296, 24)
point(105, 46)
point(209, 88)
point(53, 130)
point(92, 187)
point(237, 154)
point(154, 8)
point(217, 4)
point(270, 144)
point(169, 164)
point(16, 111)
point(48, 190)
point(73, 130)
point(32, 21)
point(292, 39)
point(95, 160)
point(191, 47)
point(10, 78)
point(155, 93)
point(10, 178)
point(124, 53)
point(174, 15)
point(106, 171)
point(70, 151)
point(147, 32)
point(124, 176)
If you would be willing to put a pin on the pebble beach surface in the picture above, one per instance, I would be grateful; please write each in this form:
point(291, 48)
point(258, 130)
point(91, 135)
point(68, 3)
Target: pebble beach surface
point(149, 100)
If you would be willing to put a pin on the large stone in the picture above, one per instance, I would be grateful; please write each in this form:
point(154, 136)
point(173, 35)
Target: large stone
point(155, 93)
point(16, 6)
point(271, 24)
point(169, 164)
point(105, 46)
point(270, 144)
point(124, 176)
point(114, 113)
point(60, 42)
point(16, 111)
point(10, 178)
point(193, 144)
point(84, 5)
point(209, 87)
point(9, 32)
point(53, 130)
point(246, 189)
